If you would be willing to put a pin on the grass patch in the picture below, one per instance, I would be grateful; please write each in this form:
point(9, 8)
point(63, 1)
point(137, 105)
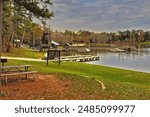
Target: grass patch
point(100, 45)
point(2, 94)
point(144, 43)
point(120, 84)
point(22, 52)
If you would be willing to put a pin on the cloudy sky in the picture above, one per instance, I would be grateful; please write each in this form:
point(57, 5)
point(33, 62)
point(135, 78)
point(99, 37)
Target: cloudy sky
point(100, 15)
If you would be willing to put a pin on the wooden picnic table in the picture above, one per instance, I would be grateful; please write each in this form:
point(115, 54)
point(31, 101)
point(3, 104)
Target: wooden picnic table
point(6, 71)
point(19, 68)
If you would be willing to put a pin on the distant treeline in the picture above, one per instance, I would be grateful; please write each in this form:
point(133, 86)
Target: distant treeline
point(128, 36)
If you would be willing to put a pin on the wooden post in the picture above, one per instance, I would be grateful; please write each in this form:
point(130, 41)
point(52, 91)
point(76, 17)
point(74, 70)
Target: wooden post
point(59, 56)
point(47, 56)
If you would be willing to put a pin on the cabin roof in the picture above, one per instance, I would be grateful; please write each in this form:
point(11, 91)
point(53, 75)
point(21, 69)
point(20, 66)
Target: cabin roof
point(55, 43)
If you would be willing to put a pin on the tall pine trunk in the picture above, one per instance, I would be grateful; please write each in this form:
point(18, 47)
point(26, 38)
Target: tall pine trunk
point(1, 25)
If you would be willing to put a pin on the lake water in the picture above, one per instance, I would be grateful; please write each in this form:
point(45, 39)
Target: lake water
point(135, 60)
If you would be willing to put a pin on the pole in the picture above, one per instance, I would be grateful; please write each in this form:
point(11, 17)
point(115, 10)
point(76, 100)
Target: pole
point(59, 56)
point(47, 56)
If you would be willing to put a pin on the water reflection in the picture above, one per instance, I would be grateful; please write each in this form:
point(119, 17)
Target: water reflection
point(136, 60)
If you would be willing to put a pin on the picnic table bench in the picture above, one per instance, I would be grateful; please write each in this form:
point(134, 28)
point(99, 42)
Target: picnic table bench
point(7, 71)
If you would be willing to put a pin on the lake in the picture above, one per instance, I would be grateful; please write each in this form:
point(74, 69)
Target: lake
point(135, 60)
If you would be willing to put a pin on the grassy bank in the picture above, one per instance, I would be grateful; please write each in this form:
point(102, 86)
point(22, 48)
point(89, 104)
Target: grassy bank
point(22, 52)
point(120, 84)
point(145, 43)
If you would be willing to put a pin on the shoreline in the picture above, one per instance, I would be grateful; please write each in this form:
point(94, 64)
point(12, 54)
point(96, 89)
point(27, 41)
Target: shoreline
point(39, 60)
point(135, 70)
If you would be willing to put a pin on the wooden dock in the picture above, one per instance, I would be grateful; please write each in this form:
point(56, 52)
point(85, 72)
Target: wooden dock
point(80, 58)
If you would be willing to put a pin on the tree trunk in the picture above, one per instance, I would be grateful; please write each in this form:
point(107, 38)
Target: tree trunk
point(1, 25)
point(22, 37)
point(9, 46)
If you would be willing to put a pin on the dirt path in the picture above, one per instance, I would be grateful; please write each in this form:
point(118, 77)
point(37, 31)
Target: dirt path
point(25, 59)
point(44, 87)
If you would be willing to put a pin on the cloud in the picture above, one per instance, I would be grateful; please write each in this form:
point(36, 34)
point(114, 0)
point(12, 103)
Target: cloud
point(100, 15)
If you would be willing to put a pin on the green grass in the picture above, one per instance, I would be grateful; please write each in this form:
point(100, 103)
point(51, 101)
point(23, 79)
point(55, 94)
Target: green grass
point(120, 84)
point(100, 45)
point(145, 43)
point(22, 52)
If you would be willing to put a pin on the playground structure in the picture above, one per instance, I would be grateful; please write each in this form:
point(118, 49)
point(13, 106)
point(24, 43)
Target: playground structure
point(45, 42)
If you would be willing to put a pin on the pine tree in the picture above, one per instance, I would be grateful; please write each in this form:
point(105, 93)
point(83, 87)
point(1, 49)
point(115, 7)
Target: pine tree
point(1, 23)
point(20, 13)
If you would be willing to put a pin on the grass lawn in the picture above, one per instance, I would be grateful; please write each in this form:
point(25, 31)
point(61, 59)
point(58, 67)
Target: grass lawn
point(22, 52)
point(101, 45)
point(144, 43)
point(120, 84)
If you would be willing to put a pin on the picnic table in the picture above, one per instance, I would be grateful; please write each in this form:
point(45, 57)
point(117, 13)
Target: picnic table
point(8, 71)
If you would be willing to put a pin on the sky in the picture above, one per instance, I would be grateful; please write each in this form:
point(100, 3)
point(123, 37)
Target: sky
point(100, 15)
